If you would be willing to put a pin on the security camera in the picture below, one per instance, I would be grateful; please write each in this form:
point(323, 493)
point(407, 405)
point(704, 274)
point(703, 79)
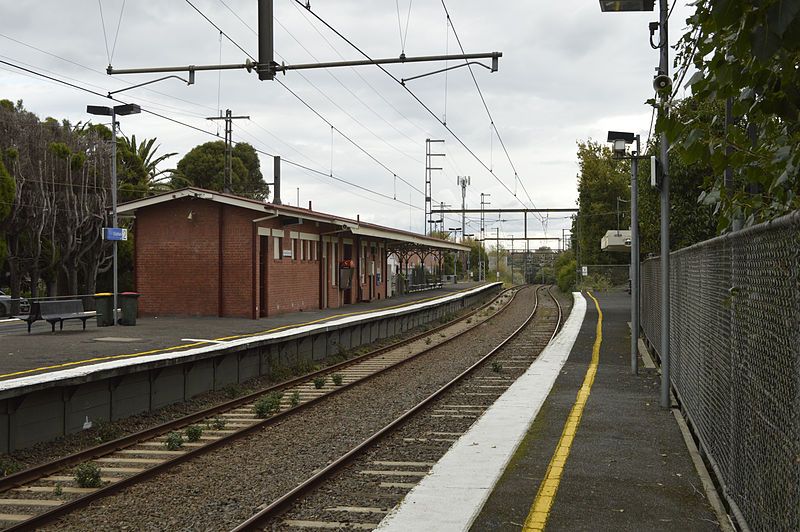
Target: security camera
point(661, 82)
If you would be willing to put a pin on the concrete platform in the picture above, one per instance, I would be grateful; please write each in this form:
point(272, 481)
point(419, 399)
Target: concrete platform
point(41, 351)
point(65, 378)
point(594, 451)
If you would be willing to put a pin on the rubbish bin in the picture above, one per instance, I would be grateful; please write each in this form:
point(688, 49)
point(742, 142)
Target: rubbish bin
point(129, 302)
point(104, 303)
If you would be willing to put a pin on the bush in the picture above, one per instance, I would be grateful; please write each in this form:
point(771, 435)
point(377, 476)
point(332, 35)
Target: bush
point(174, 441)
point(319, 382)
point(337, 379)
point(596, 282)
point(107, 432)
point(295, 398)
point(217, 423)
point(194, 432)
point(566, 276)
point(268, 404)
point(497, 367)
point(87, 475)
point(8, 466)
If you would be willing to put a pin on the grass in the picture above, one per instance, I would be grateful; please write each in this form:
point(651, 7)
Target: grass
point(497, 367)
point(193, 432)
point(174, 441)
point(267, 405)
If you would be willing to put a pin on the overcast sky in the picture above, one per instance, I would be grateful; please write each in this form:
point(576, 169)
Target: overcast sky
point(568, 73)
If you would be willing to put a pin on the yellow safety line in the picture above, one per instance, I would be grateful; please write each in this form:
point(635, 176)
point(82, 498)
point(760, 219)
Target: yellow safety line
point(225, 338)
point(540, 510)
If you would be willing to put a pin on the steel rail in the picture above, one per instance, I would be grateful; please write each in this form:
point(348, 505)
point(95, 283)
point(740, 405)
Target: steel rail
point(36, 473)
point(282, 503)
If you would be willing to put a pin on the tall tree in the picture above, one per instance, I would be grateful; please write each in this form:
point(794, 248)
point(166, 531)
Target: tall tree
point(138, 170)
point(204, 167)
point(602, 179)
point(749, 52)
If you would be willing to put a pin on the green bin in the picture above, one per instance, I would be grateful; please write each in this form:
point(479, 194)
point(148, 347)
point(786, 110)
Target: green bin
point(129, 302)
point(104, 303)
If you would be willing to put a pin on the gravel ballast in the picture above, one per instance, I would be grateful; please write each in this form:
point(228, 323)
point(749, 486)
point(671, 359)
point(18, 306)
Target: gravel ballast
point(220, 489)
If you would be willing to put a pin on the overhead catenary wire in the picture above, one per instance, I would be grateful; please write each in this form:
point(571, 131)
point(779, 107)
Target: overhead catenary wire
point(486, 108)
point(206, 132)
point(415, 97)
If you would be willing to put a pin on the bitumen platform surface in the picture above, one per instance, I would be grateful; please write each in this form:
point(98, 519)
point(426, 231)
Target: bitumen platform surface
point(619, 464)
point(41, 351)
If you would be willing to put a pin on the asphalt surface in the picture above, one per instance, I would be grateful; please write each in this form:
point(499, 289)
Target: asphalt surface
point(43, 349)
point(628, 469)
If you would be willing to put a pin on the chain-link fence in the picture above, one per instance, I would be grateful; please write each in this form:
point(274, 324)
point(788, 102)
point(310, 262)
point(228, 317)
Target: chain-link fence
point(734, 337)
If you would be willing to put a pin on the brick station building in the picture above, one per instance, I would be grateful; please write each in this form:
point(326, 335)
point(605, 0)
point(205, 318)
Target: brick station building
point(204, 253)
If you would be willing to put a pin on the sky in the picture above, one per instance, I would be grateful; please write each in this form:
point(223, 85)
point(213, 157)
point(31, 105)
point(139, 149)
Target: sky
point(568, 73)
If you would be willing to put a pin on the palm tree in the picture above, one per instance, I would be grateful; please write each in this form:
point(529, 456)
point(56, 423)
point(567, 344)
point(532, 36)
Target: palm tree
point(143, 157)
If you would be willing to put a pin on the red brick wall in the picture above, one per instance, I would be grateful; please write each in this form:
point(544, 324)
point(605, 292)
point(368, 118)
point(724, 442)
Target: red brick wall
point(237, 262)
point(293, 284)
point(177, 267)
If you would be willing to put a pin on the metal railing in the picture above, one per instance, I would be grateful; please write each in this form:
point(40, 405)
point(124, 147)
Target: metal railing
point(734, 336)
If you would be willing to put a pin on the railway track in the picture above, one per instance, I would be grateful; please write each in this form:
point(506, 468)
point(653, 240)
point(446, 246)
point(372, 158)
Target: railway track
point(357, 490)
point(36, 496)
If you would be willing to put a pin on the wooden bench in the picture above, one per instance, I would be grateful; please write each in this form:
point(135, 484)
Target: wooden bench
point(57, 311)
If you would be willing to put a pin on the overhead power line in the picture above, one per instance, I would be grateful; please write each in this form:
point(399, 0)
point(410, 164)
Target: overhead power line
point(413, 95)
point(206, 132)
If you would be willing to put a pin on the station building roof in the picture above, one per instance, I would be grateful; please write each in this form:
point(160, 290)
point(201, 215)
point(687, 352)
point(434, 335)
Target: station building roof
point(357, 227)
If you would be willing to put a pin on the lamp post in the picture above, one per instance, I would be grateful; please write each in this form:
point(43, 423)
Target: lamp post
point(123, 110)
point(662, 84)
point(620, 142)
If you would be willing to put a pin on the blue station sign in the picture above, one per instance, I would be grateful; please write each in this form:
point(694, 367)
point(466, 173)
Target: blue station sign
point(115, 233)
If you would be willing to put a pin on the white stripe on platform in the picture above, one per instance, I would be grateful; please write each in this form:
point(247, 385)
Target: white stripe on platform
point(453, 493)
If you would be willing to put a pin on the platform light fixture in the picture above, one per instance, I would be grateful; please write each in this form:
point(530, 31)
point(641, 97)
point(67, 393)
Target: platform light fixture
point(121, 110)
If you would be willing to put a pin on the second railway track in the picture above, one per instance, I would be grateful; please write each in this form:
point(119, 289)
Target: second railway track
point(357, 490)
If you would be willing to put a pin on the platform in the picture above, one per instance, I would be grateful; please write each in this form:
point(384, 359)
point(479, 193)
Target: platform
point(41, 351)
point(577, 443)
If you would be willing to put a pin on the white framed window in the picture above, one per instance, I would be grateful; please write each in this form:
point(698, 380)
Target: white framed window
point(314, 250)
point(302, 250)
point(276, 248)
point(294, 250)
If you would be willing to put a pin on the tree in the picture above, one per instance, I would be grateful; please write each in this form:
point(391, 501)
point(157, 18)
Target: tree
point(602, 179)
point(7, 190)
point(137, 168)
point(746, 51)
point(204, 167)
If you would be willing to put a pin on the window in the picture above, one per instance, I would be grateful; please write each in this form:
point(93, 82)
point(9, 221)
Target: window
point(314, 248)
point(276, 248)
point(302, 250)
point(294, 250)
point(361, 271)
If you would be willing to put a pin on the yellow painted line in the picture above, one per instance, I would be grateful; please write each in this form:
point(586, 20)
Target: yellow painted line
point(225, 338)
point(542, 504)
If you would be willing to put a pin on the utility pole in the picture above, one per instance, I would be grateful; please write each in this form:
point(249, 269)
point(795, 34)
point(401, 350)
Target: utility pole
point(663, 66)
point(429, 168)
point(481, 265)
point(463, 181)
point(228, 118)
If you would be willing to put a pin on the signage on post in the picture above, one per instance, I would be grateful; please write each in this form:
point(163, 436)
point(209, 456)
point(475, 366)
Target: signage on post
point(115, 233)
point(584, 271)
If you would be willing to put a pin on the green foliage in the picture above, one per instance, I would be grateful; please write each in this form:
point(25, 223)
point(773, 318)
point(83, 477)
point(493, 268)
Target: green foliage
point(596, 282)
point(497, 367)
point(194, 432)
point(566, 276)
point(337, 379)
point(7, 190)
point(137, 168)
point(174, 441)
point(232, 391)
point(217, 423)
point(294, 400)
point(204, 167)
point(602, 179)
point(319, 381)
point(749, 52)
point(8, 465)
point(268, 404)
point(87, 475)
